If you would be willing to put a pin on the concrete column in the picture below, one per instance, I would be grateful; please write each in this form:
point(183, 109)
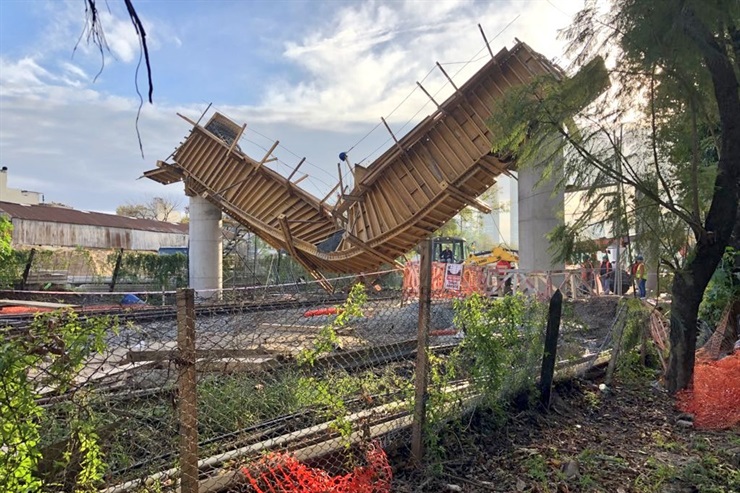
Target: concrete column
point(205, 252)
point(540, 211)
point(513, 212)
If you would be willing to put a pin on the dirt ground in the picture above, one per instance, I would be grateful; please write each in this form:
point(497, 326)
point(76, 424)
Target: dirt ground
point(628, 438)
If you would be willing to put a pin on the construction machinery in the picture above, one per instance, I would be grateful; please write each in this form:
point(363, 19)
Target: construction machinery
point(454, 249)
point(494, 256)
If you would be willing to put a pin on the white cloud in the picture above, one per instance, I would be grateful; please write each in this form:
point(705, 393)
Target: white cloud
point(120, 37)
point(19, 77)
point(79, 143)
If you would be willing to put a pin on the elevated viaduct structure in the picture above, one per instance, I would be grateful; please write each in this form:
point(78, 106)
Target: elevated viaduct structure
point(441, 166)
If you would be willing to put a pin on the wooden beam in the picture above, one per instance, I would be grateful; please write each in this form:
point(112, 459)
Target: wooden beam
point(364, 246)
point(359, 172)
point(329, 194)
point(236, 139)
point(494, 169)
point(400, 147)
point(195, 124)
point(429, 96)
point(486, 41)
point(466, 197)
point(264, 159)
point(448, 77)
point(295, 170)
point(300, 179)
point(283, 220)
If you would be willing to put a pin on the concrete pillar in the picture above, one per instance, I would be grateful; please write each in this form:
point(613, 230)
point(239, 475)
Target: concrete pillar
point(513, 212)
point(540, 211)
point(205, 260)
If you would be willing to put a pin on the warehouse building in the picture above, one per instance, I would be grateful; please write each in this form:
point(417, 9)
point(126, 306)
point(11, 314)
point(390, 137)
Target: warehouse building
point(41, 225)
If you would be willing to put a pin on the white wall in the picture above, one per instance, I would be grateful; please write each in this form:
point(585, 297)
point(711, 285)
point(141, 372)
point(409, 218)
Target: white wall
point(14, 195)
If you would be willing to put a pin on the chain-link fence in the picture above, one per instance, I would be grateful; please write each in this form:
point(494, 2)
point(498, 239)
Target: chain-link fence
point(257, 388)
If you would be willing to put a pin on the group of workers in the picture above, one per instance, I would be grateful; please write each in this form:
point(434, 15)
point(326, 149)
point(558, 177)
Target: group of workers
point(606, 273)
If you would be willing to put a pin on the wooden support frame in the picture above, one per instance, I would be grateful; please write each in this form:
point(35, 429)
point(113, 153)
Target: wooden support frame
point(431, 98)
point(364, 246)
point(466, 197)
point(288, 240)
point(486, 41)
point(295, 170)
point(398, 144)
point(396, 200)
point(269, 152)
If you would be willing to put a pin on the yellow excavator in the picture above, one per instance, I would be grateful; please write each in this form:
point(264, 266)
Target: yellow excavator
point(454, 249)
point(495, 255)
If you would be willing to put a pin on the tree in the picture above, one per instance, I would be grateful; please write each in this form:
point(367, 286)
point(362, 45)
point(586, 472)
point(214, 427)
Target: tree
point(668, 127)
point(6, 238)
point(156, 208)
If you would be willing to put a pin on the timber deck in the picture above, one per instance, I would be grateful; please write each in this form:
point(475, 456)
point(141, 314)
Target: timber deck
point(416, 186)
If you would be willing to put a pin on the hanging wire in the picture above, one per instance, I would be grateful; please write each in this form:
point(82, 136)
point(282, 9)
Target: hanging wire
point(472, 59)
point(281, 146)
point(389, 114)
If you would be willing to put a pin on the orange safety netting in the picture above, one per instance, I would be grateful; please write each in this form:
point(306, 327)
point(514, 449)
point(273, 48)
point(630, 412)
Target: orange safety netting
point(281, 473)
point(22, 310)
point(714, 399)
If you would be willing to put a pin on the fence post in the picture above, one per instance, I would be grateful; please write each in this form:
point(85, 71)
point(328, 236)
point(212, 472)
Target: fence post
point(27, 270)
point(551, 346)
point(187, 391)
point(422, 360)
point(116, 270)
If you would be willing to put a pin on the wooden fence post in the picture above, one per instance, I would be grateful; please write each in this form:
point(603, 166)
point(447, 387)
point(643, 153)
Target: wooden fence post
point(116, 270)
point(187, 391)
point(422, 360)
point(27, 270)
point(551, 346)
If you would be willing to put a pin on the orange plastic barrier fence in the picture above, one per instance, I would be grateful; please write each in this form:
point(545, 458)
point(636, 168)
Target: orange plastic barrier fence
point(277, 472)
point(714, 399)
point(321, 311)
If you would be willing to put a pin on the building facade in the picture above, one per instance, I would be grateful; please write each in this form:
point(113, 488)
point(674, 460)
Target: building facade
point(40, 225)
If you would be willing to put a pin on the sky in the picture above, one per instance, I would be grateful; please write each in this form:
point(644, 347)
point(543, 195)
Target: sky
point(316, 76)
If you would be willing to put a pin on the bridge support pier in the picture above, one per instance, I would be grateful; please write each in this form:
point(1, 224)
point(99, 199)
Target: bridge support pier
point(205, 250)
point(541, 209)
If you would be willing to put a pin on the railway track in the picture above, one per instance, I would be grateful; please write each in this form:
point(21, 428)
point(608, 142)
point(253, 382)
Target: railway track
point(17, 323)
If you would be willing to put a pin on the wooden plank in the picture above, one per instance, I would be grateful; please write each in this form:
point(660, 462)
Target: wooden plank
point(37, 304)
point(172, 354)
point(465, 197)
point(187, 402)
point(421, 372)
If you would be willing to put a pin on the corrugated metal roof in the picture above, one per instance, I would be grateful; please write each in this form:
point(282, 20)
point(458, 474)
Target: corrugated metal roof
point(53, 214)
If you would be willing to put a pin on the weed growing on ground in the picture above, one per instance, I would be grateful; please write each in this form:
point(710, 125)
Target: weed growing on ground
point(49, 356)
point(536, 468)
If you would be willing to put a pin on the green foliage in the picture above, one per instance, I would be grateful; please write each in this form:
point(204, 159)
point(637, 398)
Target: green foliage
point(11, 260)
point(6, 238)
point(167, 271)
point(234, 402)
point(723, 287)
point(536, 468)
point(709, 474)
point(327, 340)
point(11, 267)
point(49, 355)
point(503, 342)
point(637, 319)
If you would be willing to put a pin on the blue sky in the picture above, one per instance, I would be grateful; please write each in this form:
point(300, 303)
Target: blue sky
point(316, 75)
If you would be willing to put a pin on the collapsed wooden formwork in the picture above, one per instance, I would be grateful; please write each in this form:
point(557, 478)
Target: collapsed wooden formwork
point(415, 187)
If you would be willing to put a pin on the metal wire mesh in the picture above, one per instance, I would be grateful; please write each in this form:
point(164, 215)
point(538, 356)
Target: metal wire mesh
point(288, 369)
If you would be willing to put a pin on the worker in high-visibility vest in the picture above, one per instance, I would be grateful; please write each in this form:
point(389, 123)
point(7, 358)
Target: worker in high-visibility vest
point(640, 273)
